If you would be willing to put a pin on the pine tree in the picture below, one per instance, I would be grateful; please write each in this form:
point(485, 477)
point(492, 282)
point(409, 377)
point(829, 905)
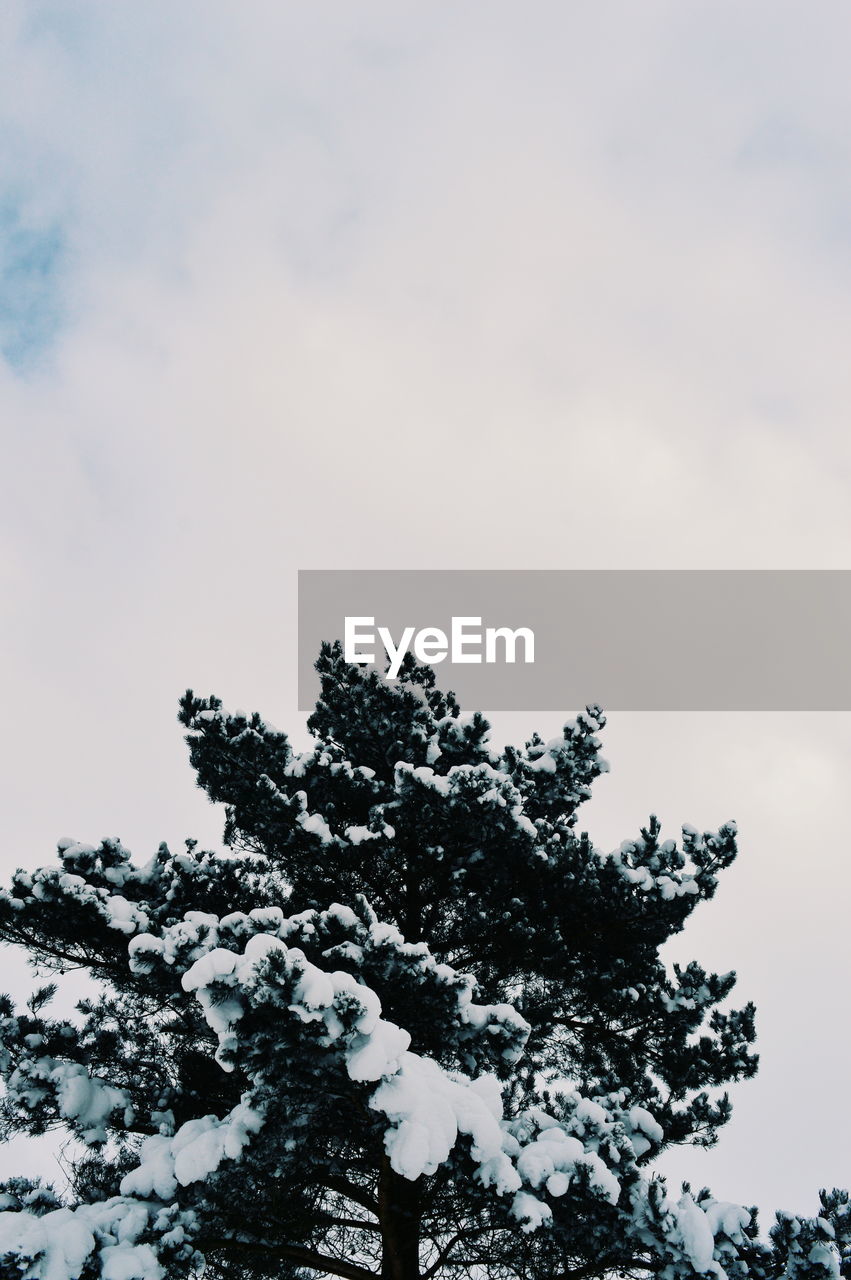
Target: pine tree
point(413, 1025)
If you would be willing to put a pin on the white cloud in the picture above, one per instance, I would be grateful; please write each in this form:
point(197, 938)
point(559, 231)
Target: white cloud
point(373, 285)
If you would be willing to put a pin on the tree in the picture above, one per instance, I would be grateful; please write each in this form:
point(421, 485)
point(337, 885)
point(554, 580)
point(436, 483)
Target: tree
point(414, 1025)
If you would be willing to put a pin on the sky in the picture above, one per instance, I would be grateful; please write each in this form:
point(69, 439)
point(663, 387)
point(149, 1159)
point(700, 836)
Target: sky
point(391, 285)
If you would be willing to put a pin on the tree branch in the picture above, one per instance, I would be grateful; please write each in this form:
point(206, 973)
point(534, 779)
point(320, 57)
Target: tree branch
point(296, 1253)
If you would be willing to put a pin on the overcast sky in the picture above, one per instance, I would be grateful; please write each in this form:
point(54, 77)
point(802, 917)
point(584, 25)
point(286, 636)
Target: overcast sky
point(380, 285)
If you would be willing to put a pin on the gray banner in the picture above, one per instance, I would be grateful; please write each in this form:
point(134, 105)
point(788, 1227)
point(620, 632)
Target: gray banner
point(645, 640)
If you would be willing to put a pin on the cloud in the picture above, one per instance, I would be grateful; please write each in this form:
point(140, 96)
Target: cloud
point(301, 287)
point(30, 260)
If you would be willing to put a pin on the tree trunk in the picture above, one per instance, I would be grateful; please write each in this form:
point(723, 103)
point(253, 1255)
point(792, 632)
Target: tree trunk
point(399, 1216)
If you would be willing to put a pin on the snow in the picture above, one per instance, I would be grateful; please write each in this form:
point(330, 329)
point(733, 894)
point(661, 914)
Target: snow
point(194, 1152)
point(379, 1053)
point(556, 1152)
point(264, 917)
point(541, 1159)
point(86, 1099)
point(211, 968)
point(190, 936)
point(669, 883)
point(342, 915)
point(63, 1242)
point(440, 783)
point(143, 949)
point(124, 915)
point(524, 823)
point(198, 1154)
point(500, 1019)
point(317, 996)
point(58, 1244)
point(495, 787)
point(695, 1233)
point(129, 1262)
point(154, 1176)
point(215, 964)
point(427, 1109)
point(545, 763)
point(530, 1212)
point(299, 764)
point(357, 835)
point(647, 1131)
point(316, 825)
point(245, 972)
point(591, 1111)
point(314, 990)
point(726, 1218)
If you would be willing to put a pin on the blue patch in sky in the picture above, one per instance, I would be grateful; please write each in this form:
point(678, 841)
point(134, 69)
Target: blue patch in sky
point(31, 259)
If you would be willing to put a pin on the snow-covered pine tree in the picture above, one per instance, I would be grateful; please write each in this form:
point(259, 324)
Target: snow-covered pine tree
point(414, 1025)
